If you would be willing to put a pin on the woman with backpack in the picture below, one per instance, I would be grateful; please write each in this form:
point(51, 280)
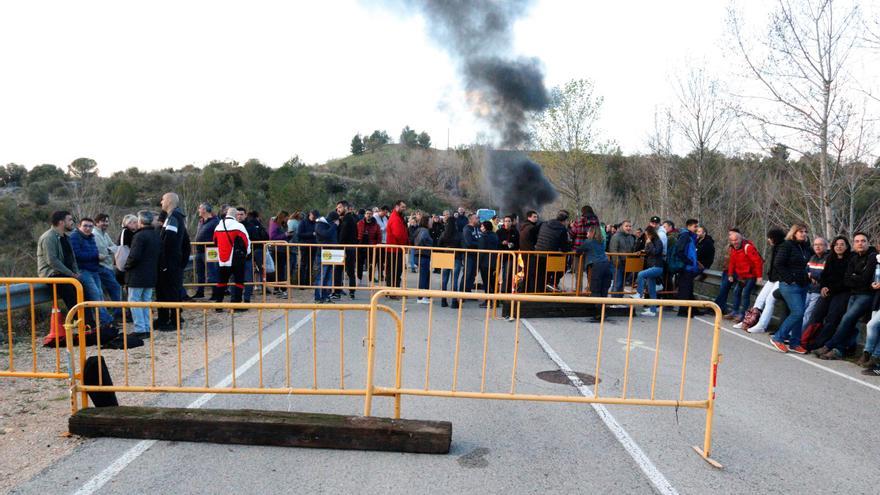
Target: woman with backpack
point(757, 319)
point(791, 265)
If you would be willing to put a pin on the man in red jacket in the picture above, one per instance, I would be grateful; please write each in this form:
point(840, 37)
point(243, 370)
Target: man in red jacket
point(229, 235)
point(744, 269)
point(396, 234)
point(368, 234)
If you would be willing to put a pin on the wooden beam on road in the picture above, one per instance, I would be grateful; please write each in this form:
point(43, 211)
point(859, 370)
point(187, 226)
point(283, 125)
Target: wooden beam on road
point(276, 428)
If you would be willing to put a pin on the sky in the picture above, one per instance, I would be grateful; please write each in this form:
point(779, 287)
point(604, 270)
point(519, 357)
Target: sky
point(164, 84)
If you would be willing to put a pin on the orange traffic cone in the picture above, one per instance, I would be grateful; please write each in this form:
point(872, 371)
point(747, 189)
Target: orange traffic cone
point(56, 330)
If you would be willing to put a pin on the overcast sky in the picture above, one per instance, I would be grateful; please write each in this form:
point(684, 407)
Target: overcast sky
point(158, 84)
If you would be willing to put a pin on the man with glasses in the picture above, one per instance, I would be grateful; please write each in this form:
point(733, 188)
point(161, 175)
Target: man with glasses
point(85, 249)
point(106, 255)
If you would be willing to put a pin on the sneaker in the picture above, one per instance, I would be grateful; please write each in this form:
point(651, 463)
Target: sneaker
point(443, 303)
point(757, 330)
point(629, 290)
point(832, 355)
point(875, 371)
point(351, 294)
point(872, 363)
point(336, 295)
point(659, 287)
point(648, 312)
point(635, 296)
point(729, 316)
point(798, 349)
point(779, 346)
point(551, 288)
point(618, 306)
point(423, 300)
point(454, 305)
point(863, 361)
point(738, 326)
point(318, 301)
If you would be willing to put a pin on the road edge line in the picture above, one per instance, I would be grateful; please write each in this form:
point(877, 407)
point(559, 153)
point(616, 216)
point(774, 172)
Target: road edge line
point(657, 479)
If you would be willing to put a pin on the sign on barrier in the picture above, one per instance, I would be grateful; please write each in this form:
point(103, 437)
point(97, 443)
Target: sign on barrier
point(332, 256)
point(212, 255)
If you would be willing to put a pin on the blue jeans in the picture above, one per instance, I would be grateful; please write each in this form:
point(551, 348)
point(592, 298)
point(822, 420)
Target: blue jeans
point(600, 279)
point(212, 269)
point(457, 273)
point(111, 286)
point(795, 297)
point(470, 272)
point(424, 272)
point(325, 280)
point(91, 282)
point(649, 276)
point(141, 316)
point(618, 276)
point(742, 296)
point(412, 259)
point(847, 333)
point(872, 344)
point(248, 278)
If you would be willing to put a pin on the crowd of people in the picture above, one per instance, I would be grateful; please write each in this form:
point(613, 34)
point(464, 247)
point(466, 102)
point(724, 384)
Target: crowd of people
point(826, 290)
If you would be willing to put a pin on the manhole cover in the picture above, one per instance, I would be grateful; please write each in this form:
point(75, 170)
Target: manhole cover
point(559, 377)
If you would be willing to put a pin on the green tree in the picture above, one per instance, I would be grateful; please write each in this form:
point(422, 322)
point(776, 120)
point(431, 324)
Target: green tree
point(376, 140)
point(357, 145)
point(409, 137)
point(292, 186)
point(120, 192)
point(83, 168)
point(424, 140)
point(12, 174)
point(38, 193)
point(45, 172)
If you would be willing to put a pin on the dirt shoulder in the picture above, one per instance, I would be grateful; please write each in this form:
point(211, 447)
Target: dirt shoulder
point(34, 412)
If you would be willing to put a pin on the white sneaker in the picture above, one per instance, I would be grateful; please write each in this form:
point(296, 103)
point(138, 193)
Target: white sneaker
point(757, 330)
point(648, 312)
point(423, 300)
point(551, 288)
point(738, 326)
point(635, 296)
point(629, 290)
point(618, 306)
point(659, 287)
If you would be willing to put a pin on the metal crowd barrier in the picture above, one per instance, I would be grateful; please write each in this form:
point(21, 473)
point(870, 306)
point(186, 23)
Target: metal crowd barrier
point(652, 395)
point(380, 266)
point(22, 295)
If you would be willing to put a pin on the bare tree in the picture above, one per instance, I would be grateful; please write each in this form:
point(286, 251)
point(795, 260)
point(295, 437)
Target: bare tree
point(703, 118)
point(661, 160)
point(803, 78)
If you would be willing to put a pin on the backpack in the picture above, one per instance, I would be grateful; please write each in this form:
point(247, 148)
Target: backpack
point(673, 260)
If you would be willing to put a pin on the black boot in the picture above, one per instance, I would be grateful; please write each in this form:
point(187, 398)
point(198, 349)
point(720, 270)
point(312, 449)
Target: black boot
point(443, 303)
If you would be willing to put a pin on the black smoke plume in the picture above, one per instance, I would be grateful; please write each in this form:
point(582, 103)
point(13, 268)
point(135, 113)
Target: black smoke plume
point(504, 90)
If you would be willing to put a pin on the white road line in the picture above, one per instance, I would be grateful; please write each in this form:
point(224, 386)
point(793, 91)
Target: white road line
point(794, 356)
point(632, 448)
point(100, 479)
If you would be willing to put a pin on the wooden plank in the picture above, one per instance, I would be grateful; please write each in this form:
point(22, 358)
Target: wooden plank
point(277, 428)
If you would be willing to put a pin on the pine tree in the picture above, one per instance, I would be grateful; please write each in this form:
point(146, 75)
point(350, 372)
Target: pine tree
point(357, 145)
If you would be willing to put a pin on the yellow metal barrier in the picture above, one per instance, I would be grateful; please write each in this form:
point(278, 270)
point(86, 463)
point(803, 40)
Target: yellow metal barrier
point(624, 398)
point(232, 308)
point(39, 368)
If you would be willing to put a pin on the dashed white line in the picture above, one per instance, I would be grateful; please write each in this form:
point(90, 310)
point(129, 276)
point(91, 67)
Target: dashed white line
point(100, 479)
point(632, 448)
point(796, 356)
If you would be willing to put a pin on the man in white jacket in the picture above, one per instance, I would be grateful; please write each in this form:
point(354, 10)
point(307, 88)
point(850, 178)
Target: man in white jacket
point(230, 237)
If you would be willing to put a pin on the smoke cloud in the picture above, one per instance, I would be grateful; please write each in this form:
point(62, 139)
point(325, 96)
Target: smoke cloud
point(502, 90)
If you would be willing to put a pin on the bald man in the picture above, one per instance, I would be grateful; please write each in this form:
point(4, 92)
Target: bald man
point(174, 257)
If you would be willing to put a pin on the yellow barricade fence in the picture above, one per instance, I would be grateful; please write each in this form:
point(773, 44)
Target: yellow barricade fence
point(647, 393)
point(196, 333)
point(380, 266)
point(24, 295)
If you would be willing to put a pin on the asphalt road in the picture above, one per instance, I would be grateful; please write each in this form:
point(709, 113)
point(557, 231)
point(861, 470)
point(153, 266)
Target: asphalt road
point(783, 424)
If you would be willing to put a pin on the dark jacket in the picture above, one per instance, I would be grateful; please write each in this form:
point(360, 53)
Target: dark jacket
point(528, 235)
point(488, 242)
point(773, 273)
point(461, 222)
point(306, 231)
point(654, 254)
point(423, 238)
point(552, 236)
point(470, 237)
point(706, 251)
point(791, 262)
point(437, 230)
point(369, 232)
point(860, 272)
point(141, 268)
point(509, 235)
point(348, 232)
point(451, 238)
point(174, 240)
point(834, 273)
point(326, 232)
point(205, 232)
point(86, 251)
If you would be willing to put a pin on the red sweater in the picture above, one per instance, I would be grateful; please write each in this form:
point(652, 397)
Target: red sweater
point(368, 233)
point(396, 232)
point(745, 262)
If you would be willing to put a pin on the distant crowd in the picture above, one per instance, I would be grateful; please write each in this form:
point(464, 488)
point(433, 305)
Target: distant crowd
point(826, 289)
